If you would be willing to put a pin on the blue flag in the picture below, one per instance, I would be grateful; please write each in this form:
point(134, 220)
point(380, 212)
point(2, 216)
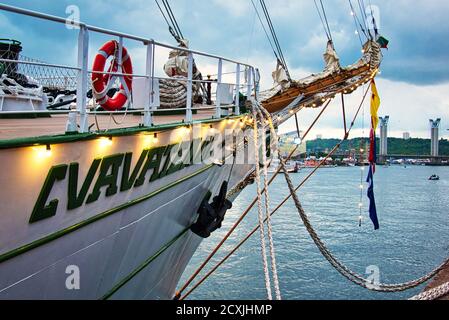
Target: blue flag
point(372, 205)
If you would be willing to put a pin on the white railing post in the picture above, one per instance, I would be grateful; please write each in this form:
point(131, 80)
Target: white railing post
point(237, 90)
point(189, 117)
point(256, 82)
point(149, 90)
point(218, 95)
point(249, 83)
point(82, 78)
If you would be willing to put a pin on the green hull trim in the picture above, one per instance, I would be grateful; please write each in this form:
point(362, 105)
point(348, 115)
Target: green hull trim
point(35, 244)
point(145, 264)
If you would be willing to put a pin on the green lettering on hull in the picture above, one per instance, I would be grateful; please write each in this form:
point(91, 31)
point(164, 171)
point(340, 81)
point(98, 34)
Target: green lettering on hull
point(41, 211)
point(108, 177)
point(75, 199)
point(160, 162)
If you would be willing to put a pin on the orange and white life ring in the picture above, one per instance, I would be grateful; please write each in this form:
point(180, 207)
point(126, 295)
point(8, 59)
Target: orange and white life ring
point(100, 81)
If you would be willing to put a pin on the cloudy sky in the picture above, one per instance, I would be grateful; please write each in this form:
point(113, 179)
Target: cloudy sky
point(414, 84)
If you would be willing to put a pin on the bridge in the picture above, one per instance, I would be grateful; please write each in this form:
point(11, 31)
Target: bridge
point(433, 159)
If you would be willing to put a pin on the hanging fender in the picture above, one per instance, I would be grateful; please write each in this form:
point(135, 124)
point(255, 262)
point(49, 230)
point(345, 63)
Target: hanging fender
point(211, 215)
point(100, 81)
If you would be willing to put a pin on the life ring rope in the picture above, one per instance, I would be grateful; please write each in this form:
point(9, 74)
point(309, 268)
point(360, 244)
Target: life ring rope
point(101, 82)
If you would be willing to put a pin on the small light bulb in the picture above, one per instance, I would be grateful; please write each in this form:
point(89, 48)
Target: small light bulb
point(48, 151)
point(106, 141)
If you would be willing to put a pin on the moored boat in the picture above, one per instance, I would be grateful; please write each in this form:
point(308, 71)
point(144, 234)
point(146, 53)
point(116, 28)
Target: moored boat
point(105, 174)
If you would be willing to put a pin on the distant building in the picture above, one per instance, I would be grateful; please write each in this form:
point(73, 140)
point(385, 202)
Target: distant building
point(288, 141)
point(406, 135)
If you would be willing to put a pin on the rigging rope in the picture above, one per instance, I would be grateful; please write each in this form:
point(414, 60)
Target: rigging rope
point(329, 37)
point(273, 33)
point(267, 206)
point(238, 222)
point(173, 26)
point(342, 269)
point(357, 22)
point(364, 17)
point(323, 17)
point(277, 49)
point(265, 30)
point(259, 207)
point(338, 265)
point(376, 30)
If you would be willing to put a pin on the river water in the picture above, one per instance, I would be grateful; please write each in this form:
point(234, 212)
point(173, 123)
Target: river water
point(413, 239)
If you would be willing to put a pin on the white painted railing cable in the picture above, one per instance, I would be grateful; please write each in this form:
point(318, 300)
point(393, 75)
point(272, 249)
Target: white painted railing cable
point(339, 266)
point(433, 294)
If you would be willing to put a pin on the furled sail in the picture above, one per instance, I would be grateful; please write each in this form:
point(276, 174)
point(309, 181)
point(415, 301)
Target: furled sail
point(331, 79)
point(331, 59)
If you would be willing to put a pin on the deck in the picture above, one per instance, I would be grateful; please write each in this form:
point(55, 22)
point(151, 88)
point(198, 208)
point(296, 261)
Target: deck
point(56, 124)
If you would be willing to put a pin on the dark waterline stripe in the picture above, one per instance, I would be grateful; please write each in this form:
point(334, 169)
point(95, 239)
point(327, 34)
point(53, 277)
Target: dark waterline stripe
point(35, 244)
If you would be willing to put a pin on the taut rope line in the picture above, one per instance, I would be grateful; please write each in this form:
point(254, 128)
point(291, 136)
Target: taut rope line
point(254, 202)
point(267, 207)
point(340, 267)
point(245, 213)
point(259, 207)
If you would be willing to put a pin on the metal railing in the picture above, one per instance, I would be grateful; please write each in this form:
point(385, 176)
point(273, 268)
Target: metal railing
point(83, 80)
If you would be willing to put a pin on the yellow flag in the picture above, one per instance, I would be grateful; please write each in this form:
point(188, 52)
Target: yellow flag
point(375, 104)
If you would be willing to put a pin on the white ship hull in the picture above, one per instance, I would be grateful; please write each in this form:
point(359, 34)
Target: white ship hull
point(130, 245)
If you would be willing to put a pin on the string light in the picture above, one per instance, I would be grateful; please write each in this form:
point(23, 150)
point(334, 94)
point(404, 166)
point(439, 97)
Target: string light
point(43, 151)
